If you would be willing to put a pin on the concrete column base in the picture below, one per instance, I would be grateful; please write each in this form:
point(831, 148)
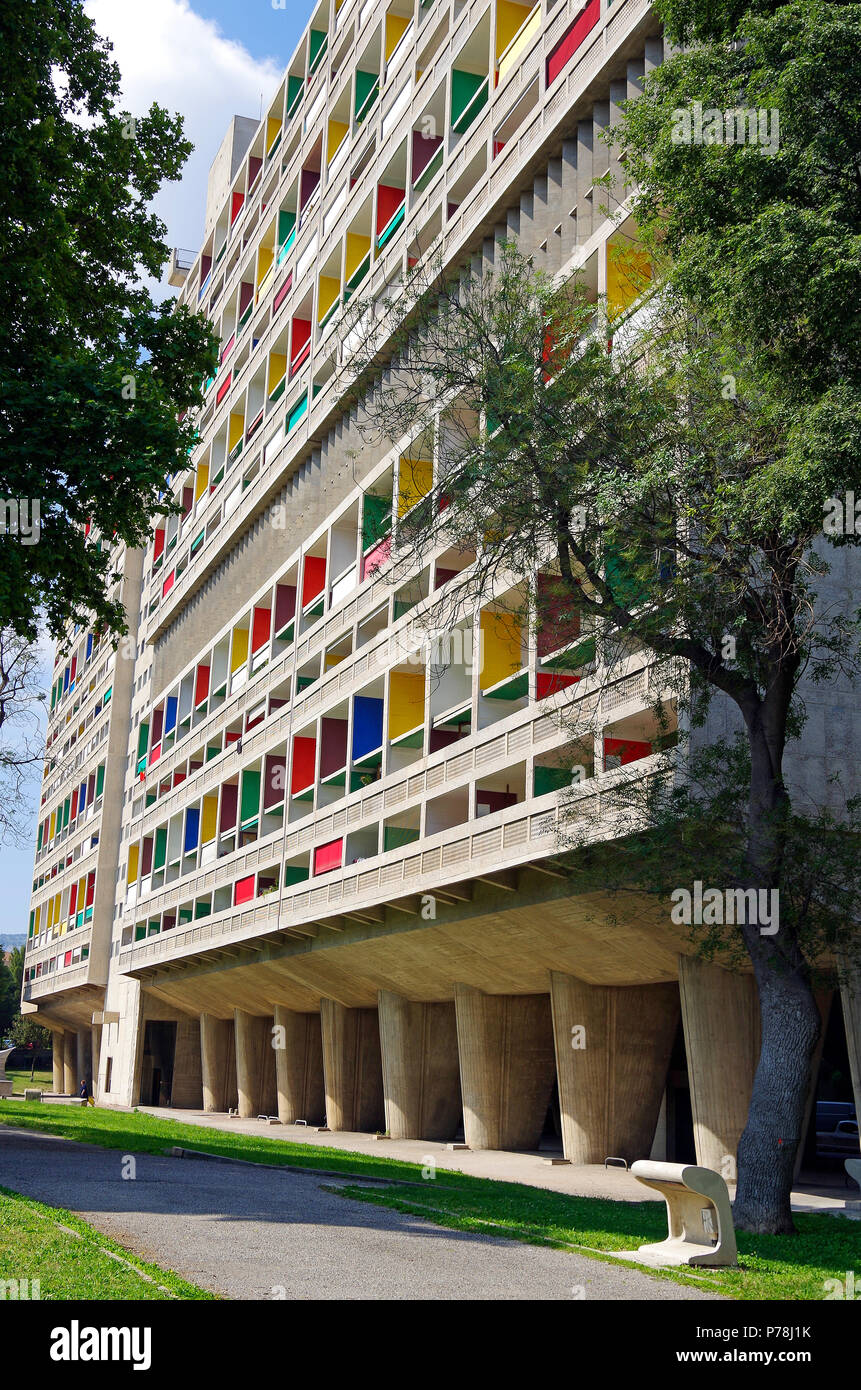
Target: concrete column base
point(421, 1080)
point(187, 1088)
point(850, 997)
point(218, 1064)
point(613, 1046)
point(352, 1067)
point(299, 1068)
point(720, 1015)
point(84, 1060)
point(96, 1050)
point(58, 1050)
point(507, 1067)
point(255, 1065)
point(70, 1064)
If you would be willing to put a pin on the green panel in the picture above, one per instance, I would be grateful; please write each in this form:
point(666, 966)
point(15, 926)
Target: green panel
point(317, 42)
point(286, 223)
point(551, 779)
point(464, 86)
point(392, 227)
point(394, 836)
point(626, 588)
point(100, 779)
point(365, 84)
point(160, 853)
point(294, 873)
point(108, 693)
point(202, 909)
point(250, 800)
point(376, 519)
point(143, 739)
point(580, 655)
point(296, 413)
point(294, 87)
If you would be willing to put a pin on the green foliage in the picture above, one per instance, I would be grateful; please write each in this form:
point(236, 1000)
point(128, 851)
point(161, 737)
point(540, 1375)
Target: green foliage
point(10, 996)
point(93, 373)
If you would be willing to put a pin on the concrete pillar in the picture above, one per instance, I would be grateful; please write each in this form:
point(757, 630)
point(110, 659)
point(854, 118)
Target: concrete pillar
point(850, 997)
point(720, 1015)
point(255, 1064)
point(505, 1044)
point(352, 1067)
point(57, 1054)
point(613, 1046)
point(187, 1087)
point(96, 1051)
point(299, 1067)
point(421, 1080)
point(70, 1062)
point(218, 1062)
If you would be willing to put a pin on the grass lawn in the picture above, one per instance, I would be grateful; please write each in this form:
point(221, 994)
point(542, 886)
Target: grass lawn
point(72, 1260)
point(771, 1267)
point(43, 1080)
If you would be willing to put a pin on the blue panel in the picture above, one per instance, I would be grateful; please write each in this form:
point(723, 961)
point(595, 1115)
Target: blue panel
point(170, 715)
point(66, 674)
point(192, 829)
point(89, 646)
point(82, 796)
point(367, 725)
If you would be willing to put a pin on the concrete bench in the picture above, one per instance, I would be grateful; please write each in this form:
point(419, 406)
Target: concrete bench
point(698, 1213)
point(32, 1094)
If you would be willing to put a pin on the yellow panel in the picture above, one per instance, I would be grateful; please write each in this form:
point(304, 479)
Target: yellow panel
point(629, 271)
point(134, 855)
point(265, 257)
point(330, 288)
point(209, 819)
point(357, 249)
point(52, 825)
point(501, 647)
point(337, 131)
point(509, 17)
point(36, 920)
point(202, 480)
point(406, 702)
point(395, 26)
point(511, 60)
point(415, 480)
point(235, 430)
point(273, 125)
point(239, 650)
point(277, 368)
point(332, 659)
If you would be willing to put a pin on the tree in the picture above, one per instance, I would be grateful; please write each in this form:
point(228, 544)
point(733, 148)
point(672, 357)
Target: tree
point(21, 742)
point(670, 516)
point(9, 998)
point(94, 375)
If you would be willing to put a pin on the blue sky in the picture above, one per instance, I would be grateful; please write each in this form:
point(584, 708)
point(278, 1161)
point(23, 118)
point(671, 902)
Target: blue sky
point(210, 60)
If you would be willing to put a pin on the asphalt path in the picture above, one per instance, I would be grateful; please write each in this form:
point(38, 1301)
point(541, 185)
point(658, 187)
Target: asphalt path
point(255, 1233)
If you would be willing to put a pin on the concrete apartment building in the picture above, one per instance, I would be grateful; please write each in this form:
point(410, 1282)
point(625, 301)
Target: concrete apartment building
point(315, 839)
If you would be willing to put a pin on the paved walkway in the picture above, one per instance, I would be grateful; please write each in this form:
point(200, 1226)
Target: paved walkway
point(586, 1180)
point(251, 1233)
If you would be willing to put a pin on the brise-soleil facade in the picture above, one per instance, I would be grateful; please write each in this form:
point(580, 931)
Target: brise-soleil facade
point(282, 818)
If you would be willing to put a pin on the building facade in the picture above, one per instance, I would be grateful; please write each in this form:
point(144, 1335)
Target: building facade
point(334, 855)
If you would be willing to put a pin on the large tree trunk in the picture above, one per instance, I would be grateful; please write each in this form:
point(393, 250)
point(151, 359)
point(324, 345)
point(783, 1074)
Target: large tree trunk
point(767, 1149)
point(790, 1020)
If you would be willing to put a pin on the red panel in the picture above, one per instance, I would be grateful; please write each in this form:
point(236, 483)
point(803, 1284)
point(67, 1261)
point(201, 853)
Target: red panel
point(67, 959)
point(376, 557)
point(223, 388)
point(91, 887)
point(571, 41)
point(313, 578)
point(549, 683)
point(328, 857)
point(229, 803)
point(299, 337)
point(236, 206)
point(243, 890)
point(201, 684)
point(260, 628)
point(168, 583)
point(560, 623)
point(282, 293)
point(255, 164)
point(388, 201)
point(285, 605)
point(304, 761)
point(630, 749)
point(158, 545)
point(73, 898)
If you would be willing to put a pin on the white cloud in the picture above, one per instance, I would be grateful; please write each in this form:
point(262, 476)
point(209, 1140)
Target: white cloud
point(169, 54)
